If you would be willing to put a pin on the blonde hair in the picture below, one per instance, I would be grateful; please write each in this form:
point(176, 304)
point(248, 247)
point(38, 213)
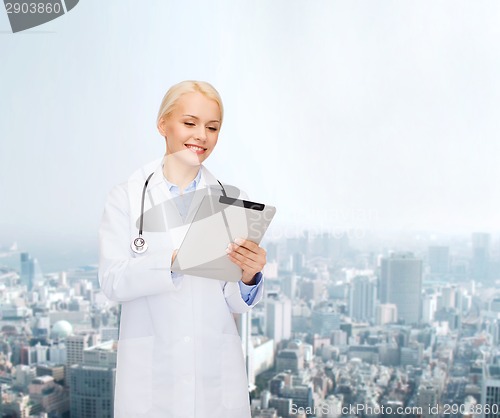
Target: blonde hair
point(189, 86)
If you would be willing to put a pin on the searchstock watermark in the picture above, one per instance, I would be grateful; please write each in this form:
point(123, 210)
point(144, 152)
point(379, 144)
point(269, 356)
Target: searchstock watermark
point(26, 14)
point(356, 409)
point(363, 409)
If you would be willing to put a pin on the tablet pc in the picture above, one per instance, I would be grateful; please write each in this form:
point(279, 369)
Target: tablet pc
point(217, 222)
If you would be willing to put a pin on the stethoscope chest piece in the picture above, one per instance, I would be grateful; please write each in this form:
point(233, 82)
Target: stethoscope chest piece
point(139, 245)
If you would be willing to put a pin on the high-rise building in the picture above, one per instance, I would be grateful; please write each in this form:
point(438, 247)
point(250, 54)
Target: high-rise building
point(429, 307)
point(58, 353)
point(448, 298)
point(362, 298)
point(401, 284)
point(289, 286)
point(428, 396)
point(75, 344)
point(278, 318)
point(490, 395)
point(298, 262)
point(92, 383)
point(30, 271)
point(439, 259)
point(480, 256)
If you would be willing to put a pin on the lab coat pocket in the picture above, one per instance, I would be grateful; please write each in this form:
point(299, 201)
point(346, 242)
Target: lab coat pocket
point(234, 377)
point(134, 376)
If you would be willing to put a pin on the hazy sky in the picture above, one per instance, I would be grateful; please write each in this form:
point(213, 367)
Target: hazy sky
point(368, 114)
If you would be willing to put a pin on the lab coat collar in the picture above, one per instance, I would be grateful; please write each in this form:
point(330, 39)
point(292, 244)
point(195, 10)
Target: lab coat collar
point(207, 178)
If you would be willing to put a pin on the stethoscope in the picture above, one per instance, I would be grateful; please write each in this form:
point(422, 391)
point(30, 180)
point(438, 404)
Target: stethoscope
point(139, 244)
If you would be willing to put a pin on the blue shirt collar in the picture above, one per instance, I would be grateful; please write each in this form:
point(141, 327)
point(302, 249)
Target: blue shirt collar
point(190, 186)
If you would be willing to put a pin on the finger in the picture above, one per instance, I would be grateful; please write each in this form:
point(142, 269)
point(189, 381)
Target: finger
point(244, 267)
point(252, 246)
point(245, 263)
point(244, 252)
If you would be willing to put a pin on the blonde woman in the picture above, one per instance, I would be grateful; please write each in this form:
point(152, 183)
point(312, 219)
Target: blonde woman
point(179, 352)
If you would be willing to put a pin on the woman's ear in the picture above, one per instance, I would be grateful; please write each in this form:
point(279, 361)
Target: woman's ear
point(162, 126)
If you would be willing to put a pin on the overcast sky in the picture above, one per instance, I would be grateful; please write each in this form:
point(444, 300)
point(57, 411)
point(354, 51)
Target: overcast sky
point(368, 114)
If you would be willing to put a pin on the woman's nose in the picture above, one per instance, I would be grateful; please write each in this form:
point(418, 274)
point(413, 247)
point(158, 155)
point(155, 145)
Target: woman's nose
point(201, 134)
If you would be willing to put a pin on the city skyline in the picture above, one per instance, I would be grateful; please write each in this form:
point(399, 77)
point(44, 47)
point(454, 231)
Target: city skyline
point(332, 316)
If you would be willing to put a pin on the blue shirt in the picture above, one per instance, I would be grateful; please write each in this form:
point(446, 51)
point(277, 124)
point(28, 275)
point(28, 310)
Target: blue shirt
point(248, 292)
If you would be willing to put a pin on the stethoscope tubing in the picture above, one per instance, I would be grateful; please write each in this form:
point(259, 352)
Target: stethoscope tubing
point(139, 244)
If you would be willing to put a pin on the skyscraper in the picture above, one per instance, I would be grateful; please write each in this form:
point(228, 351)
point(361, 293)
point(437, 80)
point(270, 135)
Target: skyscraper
point(362, 298)
point(92, 383)
point(75, 344)
point(490, 396)
point(480, 256)
point(289, 286)
point(278, 318)
point(439, 259)
point(30, 271)
point(401, 284)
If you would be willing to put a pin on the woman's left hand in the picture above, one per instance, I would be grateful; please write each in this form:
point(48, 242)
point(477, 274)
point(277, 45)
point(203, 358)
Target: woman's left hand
point(249, 256)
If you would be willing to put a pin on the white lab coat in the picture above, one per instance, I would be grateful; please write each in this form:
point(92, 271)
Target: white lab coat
point(179, 352)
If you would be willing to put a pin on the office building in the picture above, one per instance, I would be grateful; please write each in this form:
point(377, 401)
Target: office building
point(448, 297)
point(429, 307)
point(30, 271)
point(278, 318)
point(51, 396)
point(56, 371)
point(75, 344)
point(362, 298)
point(490, 391)
point(289, 286)
point(439, 260)
point(401, 285)
point(428, 394)
point(480, 256)
point(92, 383)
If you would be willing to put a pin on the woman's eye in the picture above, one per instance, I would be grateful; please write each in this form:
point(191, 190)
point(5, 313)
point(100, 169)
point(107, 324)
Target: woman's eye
point(212, 128)
point(189, 123)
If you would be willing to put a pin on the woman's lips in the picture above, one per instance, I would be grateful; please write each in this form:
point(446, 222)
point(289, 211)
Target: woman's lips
point(196, 149)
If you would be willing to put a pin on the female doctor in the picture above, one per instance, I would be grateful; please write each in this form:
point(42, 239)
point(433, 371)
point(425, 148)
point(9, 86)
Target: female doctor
point(179, 352)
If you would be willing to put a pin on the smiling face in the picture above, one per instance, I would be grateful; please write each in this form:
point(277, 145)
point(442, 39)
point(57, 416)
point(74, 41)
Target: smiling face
point(192, 128)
